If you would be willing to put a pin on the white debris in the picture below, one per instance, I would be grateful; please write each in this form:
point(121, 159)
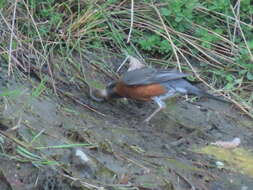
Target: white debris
point(219, 164)
point(228, 144)
point(134, 63)
point(82, 155)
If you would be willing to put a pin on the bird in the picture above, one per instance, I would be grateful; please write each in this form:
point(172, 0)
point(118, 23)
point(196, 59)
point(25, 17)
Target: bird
point(150, 84)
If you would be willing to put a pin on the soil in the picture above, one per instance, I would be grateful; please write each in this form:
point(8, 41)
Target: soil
point(172, 152)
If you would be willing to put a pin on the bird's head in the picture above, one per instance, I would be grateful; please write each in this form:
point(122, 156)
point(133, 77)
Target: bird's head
point(109, 92)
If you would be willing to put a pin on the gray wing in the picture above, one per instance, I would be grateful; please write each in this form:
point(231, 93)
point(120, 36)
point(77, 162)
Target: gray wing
point(146, 76)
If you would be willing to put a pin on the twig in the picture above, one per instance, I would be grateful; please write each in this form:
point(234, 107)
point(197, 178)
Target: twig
point(85, 184)
point(212, 32)
point(11, 38)
point(170, 40)
point(15, 140)
point(239, 26)
point(50, 72)
point(132, 21)
point(35, 26)
point(42, 45)
point(203, 9)
point(237, 23)
point(20, 43)
point(123, 63)
point(105, 72)
point(148, 170)
point(75, 99)
point(185, 179)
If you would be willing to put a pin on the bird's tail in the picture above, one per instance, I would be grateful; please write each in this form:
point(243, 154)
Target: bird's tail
point(205, 94)
point(196, 91)
point(184, 87)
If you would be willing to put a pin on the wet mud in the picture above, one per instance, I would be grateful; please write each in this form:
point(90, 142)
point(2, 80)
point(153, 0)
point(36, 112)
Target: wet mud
point(117, 150)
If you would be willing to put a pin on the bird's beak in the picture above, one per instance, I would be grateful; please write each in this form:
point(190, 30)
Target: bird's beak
point(99, 95)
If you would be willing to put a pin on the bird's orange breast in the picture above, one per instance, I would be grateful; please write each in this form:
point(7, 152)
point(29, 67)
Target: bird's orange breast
point(140, 92)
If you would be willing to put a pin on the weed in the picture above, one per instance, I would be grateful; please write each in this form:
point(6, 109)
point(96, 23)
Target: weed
point(10, 93)
point(37, 91)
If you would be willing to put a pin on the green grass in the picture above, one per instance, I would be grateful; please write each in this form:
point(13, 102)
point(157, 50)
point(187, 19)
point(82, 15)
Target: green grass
point(10, 93)
point(39, 90)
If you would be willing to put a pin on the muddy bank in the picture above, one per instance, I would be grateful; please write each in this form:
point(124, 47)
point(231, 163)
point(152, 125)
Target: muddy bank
point(49, 142)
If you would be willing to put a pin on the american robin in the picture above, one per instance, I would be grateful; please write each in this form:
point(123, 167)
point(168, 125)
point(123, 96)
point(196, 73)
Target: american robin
point(147, 84)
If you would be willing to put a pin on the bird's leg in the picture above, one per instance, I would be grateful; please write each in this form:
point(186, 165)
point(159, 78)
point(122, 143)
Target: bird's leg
point(161, 104)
